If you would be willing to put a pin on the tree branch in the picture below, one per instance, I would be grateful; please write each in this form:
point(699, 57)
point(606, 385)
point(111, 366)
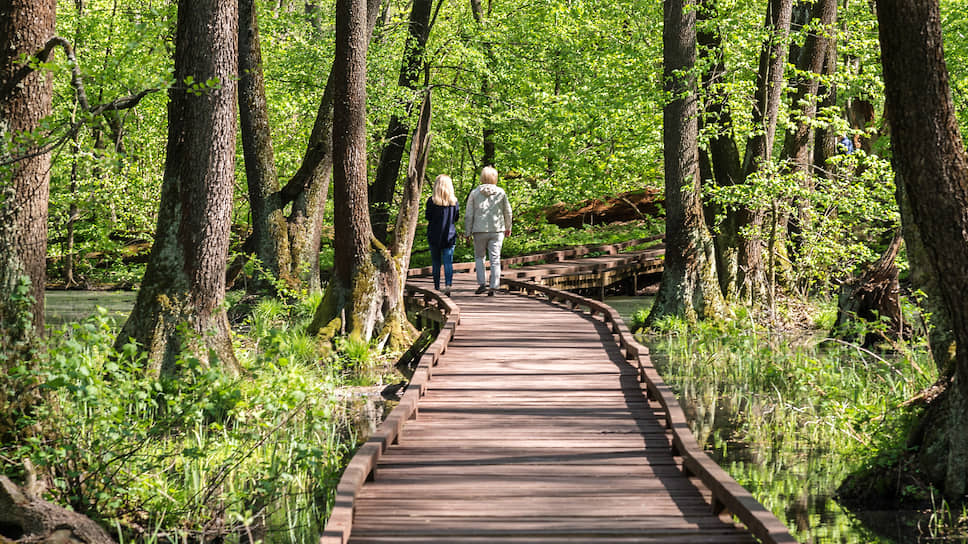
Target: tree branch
point(77, 81)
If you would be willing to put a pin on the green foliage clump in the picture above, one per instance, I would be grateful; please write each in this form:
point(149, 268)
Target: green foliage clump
point(790, 416)
point(260, 453)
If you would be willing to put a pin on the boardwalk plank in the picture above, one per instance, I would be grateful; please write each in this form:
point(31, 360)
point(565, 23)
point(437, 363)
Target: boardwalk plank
point(533, 429)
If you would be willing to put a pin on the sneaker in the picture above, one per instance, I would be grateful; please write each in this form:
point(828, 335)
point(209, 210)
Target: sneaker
point(480, 290)
point(446, 291)
point(490, 292)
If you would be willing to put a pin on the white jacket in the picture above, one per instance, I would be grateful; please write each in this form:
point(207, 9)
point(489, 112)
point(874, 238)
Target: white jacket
point(487, 210)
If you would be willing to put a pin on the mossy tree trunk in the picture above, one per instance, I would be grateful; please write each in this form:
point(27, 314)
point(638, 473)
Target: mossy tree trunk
point(361, 292)
point(296, 243)
point(752, 282)
point(725, 162)
point(180, 303)
point(25, 99)
point(270, 233)
point(930, 158)
point(741, 268)
point(690, 288)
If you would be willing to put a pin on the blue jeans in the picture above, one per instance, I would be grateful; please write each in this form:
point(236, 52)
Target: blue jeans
point(489, 244)
point(445, 255)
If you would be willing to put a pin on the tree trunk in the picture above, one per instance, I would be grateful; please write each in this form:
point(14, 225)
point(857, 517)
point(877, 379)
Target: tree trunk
point(384, 186)
point(930, 157)
point(796, 147)
point(751, 281)
point(824, 139)
point(398, 327)
point(308, 188)
point(27, 518)
point(690, 288)
point(941, 340)
point(873, 298)
point(269, 229)
point(180, 303)
point(359, 293)
point(797, 157)
point(725, 161)
point(25, 28)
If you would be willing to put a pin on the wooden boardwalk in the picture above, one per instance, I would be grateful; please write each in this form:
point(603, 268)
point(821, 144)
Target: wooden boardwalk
point(528, 423)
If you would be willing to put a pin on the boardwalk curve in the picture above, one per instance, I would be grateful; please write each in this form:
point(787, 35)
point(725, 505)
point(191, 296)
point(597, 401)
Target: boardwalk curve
point(535, 417)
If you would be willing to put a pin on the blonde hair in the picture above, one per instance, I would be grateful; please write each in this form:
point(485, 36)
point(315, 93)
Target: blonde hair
point(489, 175)
point(444, 191)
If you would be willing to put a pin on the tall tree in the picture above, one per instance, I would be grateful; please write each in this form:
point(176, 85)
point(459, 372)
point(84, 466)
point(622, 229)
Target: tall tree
point(690, 287)
point(932, 166)
point(180, 303)
point(270, 233)
point(751, 279)
point(360, 293)
point(740, 263)
point(721, 154)
point(382, 191)
point(25, 99)
point(298, 241)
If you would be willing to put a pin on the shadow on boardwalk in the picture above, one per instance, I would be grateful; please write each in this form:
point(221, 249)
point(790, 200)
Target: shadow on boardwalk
point(530, 422)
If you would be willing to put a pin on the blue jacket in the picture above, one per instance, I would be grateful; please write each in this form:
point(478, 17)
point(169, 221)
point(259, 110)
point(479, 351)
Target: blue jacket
point(441, 224)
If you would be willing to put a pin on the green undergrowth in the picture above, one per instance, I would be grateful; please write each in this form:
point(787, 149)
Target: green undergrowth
point(201, 456)
point(791, 415)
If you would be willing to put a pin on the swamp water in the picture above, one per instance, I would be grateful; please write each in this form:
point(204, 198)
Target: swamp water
point(796, 481)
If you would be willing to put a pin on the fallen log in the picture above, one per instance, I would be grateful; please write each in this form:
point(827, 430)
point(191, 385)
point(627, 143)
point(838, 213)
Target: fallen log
point(26, 518)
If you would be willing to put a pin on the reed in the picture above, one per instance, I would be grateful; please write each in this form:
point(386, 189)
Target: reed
point(790, 415)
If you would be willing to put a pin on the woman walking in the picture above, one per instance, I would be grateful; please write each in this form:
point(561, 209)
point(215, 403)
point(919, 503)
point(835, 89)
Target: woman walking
point(488, 219)
point(442, 213)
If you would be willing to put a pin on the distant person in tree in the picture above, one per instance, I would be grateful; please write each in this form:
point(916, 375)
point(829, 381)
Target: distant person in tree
point(442, 213)
point(488, 220)
point(845, 145)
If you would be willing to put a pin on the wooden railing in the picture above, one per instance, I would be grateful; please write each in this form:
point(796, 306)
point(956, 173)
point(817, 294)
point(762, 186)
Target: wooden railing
point(361, 468)
point(548, 256)
point(727, 495)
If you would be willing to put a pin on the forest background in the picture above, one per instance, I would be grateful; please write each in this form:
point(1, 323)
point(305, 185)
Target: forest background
point(566, 98)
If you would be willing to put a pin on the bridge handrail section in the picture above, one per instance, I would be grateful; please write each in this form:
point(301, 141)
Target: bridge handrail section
point(727, 494)
point(362, 466)
point(548, 256)
point(630, 261)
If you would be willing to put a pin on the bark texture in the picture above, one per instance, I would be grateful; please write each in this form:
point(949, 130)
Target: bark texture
point(360, 292)
point(308, 189)
point(25, 28)
point(179, 305)
point(874, 297)
point(269, 227)
point(690, 288)
point(751, 280)
point(381, 193)
point(26, 518)
point(930, 157)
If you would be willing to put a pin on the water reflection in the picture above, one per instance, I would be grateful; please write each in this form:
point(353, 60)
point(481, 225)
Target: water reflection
point(69, 306)
point(789, 476)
